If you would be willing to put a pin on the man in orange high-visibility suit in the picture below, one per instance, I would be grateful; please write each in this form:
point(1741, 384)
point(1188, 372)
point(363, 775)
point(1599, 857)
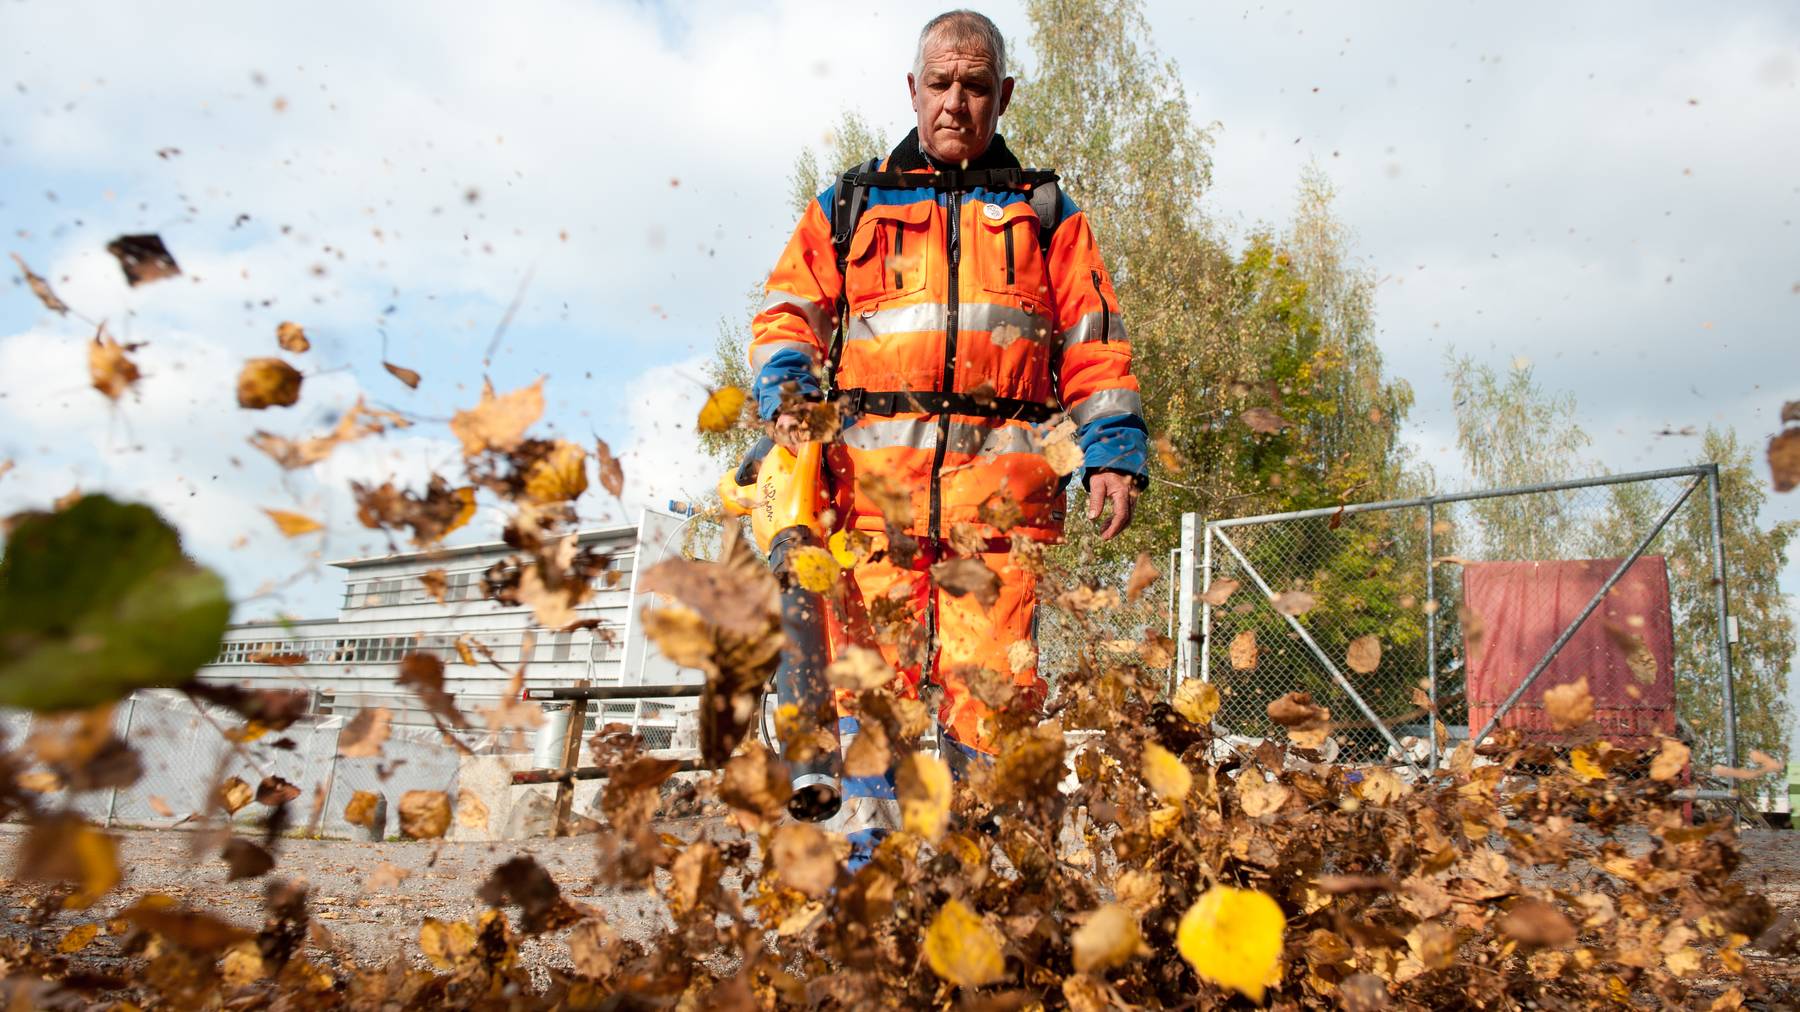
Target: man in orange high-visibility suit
point(966, 335)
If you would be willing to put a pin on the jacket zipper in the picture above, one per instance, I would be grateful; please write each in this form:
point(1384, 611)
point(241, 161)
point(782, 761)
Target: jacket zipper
point(899, 248)
point(953, 249)
point(1105, 310)
point(1009, 254)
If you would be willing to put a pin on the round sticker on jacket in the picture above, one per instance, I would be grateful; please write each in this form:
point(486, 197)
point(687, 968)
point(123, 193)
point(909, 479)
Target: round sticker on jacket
point(992, 211)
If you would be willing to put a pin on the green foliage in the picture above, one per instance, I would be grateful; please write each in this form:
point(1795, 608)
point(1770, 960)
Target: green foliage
point(97, 600)
point(1512, 432)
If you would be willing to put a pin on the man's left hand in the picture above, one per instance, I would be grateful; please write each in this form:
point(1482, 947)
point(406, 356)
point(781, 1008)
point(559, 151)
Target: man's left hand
point(1119, 489)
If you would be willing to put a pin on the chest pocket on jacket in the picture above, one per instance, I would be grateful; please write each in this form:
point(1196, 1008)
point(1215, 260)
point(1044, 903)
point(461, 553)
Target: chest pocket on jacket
point(1010, 261)
point(891, 254)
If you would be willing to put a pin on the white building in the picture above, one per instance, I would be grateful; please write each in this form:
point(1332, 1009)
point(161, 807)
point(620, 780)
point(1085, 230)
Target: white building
point(350, 660)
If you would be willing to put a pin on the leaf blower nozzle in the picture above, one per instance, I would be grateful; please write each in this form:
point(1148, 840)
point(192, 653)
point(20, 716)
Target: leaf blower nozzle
point(781, 493)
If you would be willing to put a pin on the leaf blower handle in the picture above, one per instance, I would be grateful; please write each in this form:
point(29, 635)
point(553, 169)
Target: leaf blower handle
point(800, 681)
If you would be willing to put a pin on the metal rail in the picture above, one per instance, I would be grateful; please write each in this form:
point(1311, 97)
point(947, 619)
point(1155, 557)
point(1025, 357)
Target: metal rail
point(604, 692)
point(567, 775)
point(1695, 471)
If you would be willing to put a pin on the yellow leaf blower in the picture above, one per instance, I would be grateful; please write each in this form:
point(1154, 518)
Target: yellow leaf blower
point(782, 494)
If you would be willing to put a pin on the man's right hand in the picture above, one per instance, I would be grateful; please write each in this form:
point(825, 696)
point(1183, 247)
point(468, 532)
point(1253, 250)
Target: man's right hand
point(789, 430)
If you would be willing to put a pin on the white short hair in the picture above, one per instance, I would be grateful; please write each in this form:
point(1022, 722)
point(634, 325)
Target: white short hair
point(963, 28)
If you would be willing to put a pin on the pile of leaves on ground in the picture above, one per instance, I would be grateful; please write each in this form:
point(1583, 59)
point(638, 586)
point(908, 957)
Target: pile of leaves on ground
point(1117, 852)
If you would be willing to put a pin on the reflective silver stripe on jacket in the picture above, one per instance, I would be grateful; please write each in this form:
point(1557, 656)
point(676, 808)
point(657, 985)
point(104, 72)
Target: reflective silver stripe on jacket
point(929, 316)
point(761, 353)
point(1090, 328)
point(1106, 403)
point(816, 317)
point(921, 434)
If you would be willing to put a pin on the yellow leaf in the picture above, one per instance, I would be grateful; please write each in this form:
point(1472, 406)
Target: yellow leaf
point(815, 568)
point(559, 476)
point(850, 547)
point(721, 410)
point(962, 948)
point(1196, 701)
point(294, 524)
point(1582, 759)
point(77, 938)
point(445, 945)
point(1109, 937)
point(1233, 938)
point(1165, 774)
point(924, 788)
point(360, 811)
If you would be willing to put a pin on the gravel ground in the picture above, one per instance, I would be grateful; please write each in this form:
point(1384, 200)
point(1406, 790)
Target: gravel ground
point(375, 922)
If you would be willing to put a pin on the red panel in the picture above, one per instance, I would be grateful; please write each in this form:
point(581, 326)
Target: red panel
point(1521, 607)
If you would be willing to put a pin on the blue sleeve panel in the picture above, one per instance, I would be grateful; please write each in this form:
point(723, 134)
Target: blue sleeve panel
point(1115, 443)
point(786, 366)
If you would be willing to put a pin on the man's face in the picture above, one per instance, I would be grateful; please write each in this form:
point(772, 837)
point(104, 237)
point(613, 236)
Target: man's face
point(959, 100)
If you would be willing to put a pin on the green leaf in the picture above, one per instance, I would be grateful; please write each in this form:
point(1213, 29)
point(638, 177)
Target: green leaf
point(98, 600)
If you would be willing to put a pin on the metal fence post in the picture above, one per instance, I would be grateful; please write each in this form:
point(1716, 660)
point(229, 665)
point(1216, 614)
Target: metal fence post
point(1431, 610)
point(1184, 605)
point(1724, 615)
point(1206, 535)
point(112, 803)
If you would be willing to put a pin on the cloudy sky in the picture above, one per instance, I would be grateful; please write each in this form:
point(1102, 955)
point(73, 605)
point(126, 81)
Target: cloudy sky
point(1605, 190)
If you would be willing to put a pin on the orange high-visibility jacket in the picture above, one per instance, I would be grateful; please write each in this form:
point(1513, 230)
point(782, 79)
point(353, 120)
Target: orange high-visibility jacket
point(952, 293)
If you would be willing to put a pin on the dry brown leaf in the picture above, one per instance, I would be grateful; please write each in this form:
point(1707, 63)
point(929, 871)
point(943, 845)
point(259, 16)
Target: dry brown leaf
point(293, 525)
point(1264, 421)
point(1260, 797)
point(292, 337)
point(471, 811)
point(110, 371)
point(1536, 923)
point(1784, 460)
point(268, 383)
point(612, 475)
point(234, 794)
point(558, 476)
point(1364, 655)
point(356, 423)
point(143, 258)
point(923, 786)
point(424, 815)
point(1109, 938)
point(962, 948)
point(366, 732)
point(1143, 574)
point(1243, 650)
point(972, 577)
point(410, 377)
point(1569, 706)
point(1766, 765)
point(804, 859)
point(859, 668)
point(498, 423)
point(1220, 591)
point(41, 288)
point(894, 502)
point(869, 754)
point(1671, 758)
point(1637, 653)
point(1294, 603)
point(436, 583)
point(360, 810)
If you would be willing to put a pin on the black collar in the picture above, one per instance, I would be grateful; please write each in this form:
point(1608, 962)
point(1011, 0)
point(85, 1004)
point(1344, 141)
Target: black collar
point(909, 155)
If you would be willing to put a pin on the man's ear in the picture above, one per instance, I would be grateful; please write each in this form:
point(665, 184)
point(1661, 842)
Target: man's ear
point(1006, 88)
point(912, 91)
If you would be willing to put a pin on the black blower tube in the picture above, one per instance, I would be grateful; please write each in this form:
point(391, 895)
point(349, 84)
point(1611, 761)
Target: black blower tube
point(800, 680)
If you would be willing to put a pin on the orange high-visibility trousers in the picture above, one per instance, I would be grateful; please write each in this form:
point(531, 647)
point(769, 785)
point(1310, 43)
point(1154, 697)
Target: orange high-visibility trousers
point(921, 630)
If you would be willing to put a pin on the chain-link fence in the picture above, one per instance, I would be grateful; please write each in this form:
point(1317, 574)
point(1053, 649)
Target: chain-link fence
point(186, 755)
point(1470, 607)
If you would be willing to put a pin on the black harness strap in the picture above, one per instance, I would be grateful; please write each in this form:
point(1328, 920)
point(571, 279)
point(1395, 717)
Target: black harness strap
point(852, 198)
point(857, 401)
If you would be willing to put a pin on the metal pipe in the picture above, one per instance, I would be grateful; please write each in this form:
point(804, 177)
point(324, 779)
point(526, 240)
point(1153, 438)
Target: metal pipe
point(1431, 610)
point(1317, 652)
point(1724, 617)
point(1543, 663)
point(1206, 609)
point(565, 775)
point(1452, 497)
point(615, 692)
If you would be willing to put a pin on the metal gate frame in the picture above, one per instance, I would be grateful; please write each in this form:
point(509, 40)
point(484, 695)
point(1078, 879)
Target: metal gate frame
point(1197, 539)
